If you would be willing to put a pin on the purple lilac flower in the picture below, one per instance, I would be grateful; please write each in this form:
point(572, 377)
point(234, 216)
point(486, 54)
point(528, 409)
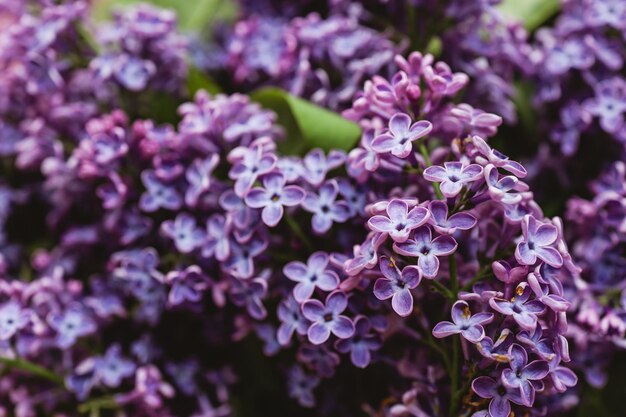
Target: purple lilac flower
point(198, 176)
point(112, 368)
point(250, 294)
point(501, 397)
point(291, 318)
point(183, 230)
point(71, 324)
point(134, 73)
point(317, 165)
point(562, 378)
point(536, 244)
point(150, 387)
point(468, 325)
point(609, 104)
point(507, 274)
point(187, 285)
point(273, 197)
point(453, 176)
point(365, 255)
point(497, 350)
point(158, 195)
point(320, 359)
point(542, 290)
point(364, 158)
point(523, 310)
point(399, 140)
point(267, 334)
point(325, 207)
point(523, 376)
point(13, 318)
point(240, 263)
point(301, 386)
point(327, 319)
point(397, 285)
point(315, 274)
point(184, 375)
point(448, 225)
point(218, 237)
point(496, 158)
point(355, 196)
point(248, 168)
point(399, 221)
point(427, 249)
point(361, 344)
point(506, 189)
point(291, 168)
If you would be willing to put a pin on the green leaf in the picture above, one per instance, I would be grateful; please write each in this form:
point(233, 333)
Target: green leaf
point(192, 14)
point(532, 13)
point(308, 125)
point(197, 80)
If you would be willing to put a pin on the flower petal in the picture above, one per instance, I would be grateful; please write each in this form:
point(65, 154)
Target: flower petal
point(402, 302)
point(292, 195)
point(550, 256)
point(484, 387)
point(443, 245)
point(383, 289)
point(272, 213)
point(360, 356)
point(342, 327)
point(499, 407)
point(429, 265)
point(435, 173)
point(473, 334)
point(295, 271)
point(336, 302)
point(313, 310)
point(380, 224)
point(384, 143)
point(536, 370)
point(444, 329)
point(303, 291)
point(399, 124)
point(318, 333)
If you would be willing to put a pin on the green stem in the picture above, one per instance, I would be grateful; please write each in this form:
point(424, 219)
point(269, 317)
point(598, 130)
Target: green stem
point(456, 365)
point(297, 230)
point(442, 289)
point(454, 281)
point(94, 406)
point(24, 365)
point(426, 157)
point(444, 354)
point(454, 377)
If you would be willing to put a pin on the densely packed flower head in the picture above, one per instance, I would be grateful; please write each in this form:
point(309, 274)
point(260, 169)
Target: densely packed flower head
point(581, 72)
point(141, 50)
point(325, 57)
point(597, 235)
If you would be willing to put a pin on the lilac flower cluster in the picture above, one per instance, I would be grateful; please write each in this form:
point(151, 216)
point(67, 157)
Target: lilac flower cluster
point(324, 59)
point(54, 79)
point(141, 50)
point(306, 54)
point(464, 195)
point(580, 72)
point(597, 235)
